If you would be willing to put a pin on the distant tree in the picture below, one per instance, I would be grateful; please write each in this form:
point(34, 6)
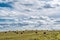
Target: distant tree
point(34, 39)
point(21, 32)
point(36, 32)
point(15, 32)
point(44, 32)
point(5, 32)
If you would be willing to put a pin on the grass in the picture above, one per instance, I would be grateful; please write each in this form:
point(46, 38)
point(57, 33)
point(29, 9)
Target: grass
point(30, 35)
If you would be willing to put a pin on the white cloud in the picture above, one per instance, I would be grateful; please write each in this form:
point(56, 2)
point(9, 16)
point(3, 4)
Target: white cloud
point(31, 14)
point(19, 6)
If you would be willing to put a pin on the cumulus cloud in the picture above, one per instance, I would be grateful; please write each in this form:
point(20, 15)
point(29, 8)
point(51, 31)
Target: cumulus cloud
point(35, 6)
point(29, 14)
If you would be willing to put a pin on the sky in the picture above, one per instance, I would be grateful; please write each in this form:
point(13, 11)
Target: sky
point(29, 15)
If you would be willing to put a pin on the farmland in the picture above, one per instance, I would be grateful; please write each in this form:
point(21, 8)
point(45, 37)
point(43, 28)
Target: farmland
point(30, 35)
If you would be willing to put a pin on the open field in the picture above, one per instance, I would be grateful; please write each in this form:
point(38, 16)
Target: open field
point(30, 35)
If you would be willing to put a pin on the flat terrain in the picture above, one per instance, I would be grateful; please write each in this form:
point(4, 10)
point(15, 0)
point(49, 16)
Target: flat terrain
point(30, 35)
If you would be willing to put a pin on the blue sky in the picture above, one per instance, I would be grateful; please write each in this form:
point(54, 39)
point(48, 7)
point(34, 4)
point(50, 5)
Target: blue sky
point(5, 5)
point(30, 14)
